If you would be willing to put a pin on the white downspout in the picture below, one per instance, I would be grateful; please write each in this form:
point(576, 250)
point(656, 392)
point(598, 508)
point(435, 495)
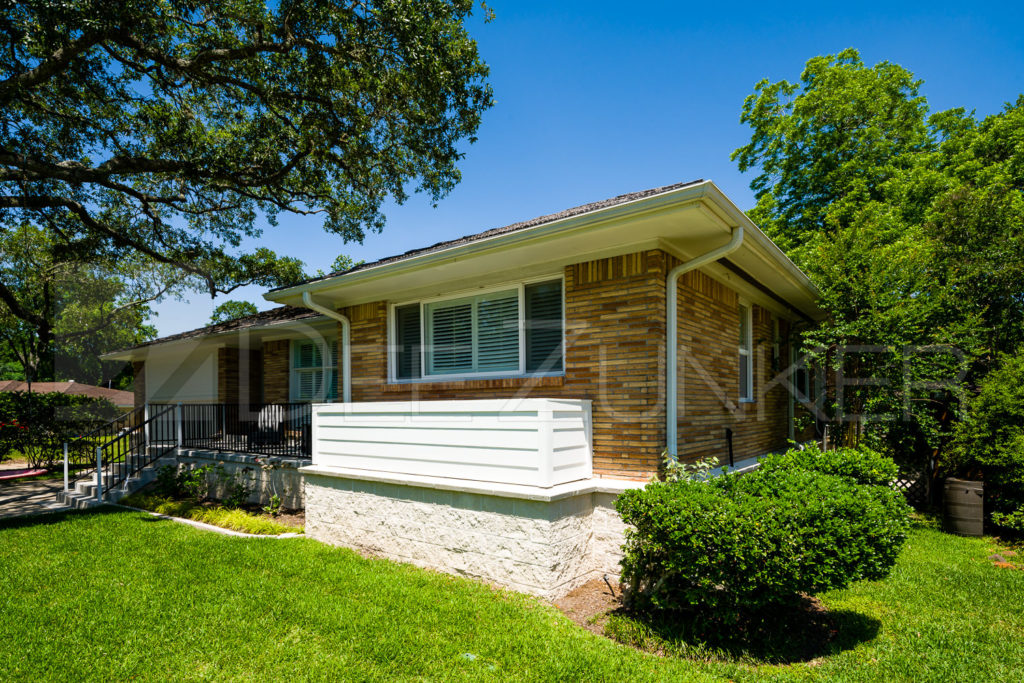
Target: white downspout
point(672, 331)
point(346, 343)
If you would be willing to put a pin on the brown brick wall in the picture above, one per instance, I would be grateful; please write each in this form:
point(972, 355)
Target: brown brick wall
point(615, 332)
point(275, 371)
point(139, 383)
point(709, 376)
point(239, 376)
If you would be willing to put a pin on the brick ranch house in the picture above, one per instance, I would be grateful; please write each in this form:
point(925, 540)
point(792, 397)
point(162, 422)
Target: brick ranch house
point(478, 404)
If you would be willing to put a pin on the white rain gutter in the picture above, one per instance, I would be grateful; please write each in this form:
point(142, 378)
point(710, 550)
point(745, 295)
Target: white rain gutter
point(672, 331)
point(346, 343)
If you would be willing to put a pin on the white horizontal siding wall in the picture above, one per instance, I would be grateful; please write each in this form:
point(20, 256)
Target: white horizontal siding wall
point(186, 375)
point(532, 441)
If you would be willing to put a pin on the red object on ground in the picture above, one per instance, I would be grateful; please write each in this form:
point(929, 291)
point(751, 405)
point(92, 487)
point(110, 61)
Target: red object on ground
point(18, 474)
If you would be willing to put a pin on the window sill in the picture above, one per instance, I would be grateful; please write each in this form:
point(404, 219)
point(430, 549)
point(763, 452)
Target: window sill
point(748, 400)
point(483, 383)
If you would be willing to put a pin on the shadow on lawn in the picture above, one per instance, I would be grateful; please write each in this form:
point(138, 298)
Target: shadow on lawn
point(800, 632)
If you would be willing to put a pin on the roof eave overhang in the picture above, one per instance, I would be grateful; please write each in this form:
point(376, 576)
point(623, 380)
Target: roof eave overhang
point(757, 247)
point(140, 352)
point(293, 295)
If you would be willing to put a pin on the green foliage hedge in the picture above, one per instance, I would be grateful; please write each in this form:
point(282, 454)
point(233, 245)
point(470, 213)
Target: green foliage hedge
point(988, 444)
point(37, 425)
point(863, 465)
point(736, 544)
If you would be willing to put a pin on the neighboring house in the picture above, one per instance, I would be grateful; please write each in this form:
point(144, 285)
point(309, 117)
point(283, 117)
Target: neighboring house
point(124, 400)
point(488, 397)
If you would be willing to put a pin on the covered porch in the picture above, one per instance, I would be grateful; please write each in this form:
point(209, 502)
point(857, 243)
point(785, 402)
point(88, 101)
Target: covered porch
point(282, 430)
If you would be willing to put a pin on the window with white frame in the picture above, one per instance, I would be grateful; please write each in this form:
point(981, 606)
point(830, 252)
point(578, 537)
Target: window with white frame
point(314, 375)
point(746, 355)
point(516, 330)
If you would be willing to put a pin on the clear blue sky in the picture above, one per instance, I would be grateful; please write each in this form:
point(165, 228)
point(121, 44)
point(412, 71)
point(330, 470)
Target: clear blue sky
point(595, 99)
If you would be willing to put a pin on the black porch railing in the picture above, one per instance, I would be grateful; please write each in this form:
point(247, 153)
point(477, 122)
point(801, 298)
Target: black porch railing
point(81, 450)
point(120, 449)
point(133, 449)
point(276, 429)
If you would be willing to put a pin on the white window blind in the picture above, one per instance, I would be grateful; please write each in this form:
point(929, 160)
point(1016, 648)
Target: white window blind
point(512, 331)
point(314, 370)
point(473, 334)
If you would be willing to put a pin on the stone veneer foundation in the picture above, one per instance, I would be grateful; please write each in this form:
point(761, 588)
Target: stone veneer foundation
point(282, 477)
point(539, 541)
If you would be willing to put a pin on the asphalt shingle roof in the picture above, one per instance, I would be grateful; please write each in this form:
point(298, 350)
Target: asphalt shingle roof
point(290, 313)
point(115, 396)
point(281, 314)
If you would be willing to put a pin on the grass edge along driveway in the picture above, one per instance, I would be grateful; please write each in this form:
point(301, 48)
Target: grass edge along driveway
point(113, 594)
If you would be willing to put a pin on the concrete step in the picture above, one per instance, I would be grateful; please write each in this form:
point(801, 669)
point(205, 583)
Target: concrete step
point(83, 495)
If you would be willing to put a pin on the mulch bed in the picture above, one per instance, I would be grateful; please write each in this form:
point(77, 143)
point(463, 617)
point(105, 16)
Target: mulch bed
point(286, 517)
point(589, 605)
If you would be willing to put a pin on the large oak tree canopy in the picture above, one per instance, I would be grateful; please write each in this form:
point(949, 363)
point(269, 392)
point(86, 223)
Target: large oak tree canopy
point(166, 127)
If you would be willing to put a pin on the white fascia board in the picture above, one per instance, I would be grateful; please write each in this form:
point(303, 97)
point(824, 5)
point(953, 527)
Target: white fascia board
point(705, 194)
point(769, 249)
point(555, 228)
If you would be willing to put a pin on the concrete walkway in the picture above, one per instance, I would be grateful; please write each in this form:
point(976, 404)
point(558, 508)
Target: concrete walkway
point(30, 498)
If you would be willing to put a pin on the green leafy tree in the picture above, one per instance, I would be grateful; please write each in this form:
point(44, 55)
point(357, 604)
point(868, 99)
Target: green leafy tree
point(342, 263)
point(909, 224)
point(989, 443)
point(232, 310)
point(826, 145)
point(345, 262)
point(60, 312)
point(173, 128)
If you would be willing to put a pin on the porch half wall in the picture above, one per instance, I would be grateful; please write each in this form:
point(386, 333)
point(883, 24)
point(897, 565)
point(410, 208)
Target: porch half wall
point(499, 490)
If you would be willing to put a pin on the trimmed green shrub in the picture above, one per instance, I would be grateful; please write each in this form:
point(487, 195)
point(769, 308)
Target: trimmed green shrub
point(738, 544)
point(1012, 521)
point(863, 465)
point(37, 425)
point(988, 444)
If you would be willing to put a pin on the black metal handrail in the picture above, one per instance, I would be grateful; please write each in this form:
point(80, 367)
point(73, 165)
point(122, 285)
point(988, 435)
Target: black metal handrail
point(121, 448)
point(133, 449)
point(81, 450)
point(124, 446)
point(275, 429)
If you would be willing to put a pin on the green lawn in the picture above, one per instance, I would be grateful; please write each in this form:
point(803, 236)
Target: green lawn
point(114, 595)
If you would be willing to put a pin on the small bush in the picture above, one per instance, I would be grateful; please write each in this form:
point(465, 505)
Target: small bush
point(1011, 521)
point(234, 491)
point(675, 470)
point(166, 482)
point(863, 465)
point(742, 543)
point(195, 484)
